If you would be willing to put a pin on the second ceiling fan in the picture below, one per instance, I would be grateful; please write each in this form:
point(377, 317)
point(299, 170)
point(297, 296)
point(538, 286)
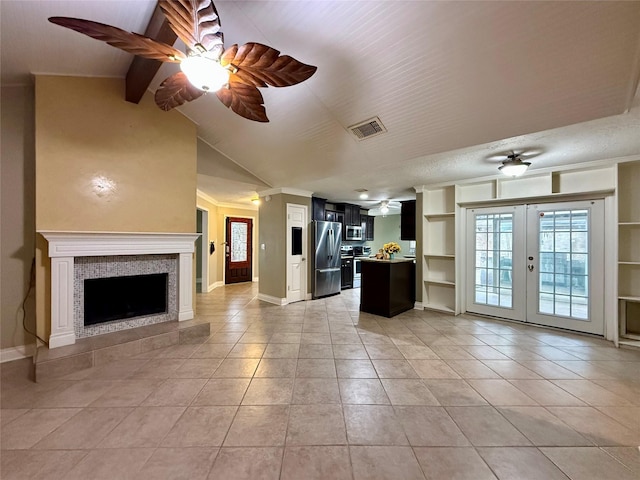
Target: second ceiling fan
point(234, 74)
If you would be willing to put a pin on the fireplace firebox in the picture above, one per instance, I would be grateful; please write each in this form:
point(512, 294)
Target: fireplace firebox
point(118, 298)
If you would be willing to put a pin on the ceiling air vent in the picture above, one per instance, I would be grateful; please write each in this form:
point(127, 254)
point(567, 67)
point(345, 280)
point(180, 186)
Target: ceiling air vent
point(369, 128)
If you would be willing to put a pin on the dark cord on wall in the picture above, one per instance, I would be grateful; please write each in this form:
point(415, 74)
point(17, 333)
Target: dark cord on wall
point(32, 282)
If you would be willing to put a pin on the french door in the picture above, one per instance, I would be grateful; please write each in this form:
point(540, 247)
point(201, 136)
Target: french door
point(538, 263)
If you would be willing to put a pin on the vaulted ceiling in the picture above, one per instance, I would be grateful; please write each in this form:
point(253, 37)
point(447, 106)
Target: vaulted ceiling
point(456, 84)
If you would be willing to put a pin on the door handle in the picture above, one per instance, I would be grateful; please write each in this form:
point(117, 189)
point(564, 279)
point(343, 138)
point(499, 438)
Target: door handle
point(530, 267)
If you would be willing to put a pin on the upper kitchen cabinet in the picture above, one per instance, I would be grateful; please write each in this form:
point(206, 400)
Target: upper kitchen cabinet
point(408, 220)
point(318, 206)
point(367, 227)
point(351, 213)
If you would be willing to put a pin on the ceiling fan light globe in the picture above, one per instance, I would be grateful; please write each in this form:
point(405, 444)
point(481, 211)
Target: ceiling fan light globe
point(514, 168)
point(384, 209)
point(204, 73)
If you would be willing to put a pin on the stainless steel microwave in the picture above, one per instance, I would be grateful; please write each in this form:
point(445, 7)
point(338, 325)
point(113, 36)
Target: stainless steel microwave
point(353, 232)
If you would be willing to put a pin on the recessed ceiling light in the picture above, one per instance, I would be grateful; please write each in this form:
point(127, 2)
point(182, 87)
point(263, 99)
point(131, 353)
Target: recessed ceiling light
point(363, 193)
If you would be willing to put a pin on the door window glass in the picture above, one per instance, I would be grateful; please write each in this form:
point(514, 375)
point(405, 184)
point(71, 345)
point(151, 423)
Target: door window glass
point(493, 256)
point(239, 233)
point(563, 263)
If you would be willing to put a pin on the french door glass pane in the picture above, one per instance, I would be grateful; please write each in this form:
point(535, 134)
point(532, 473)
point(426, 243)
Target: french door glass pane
point(238, 242)
point(493, 257)
point(563, 263)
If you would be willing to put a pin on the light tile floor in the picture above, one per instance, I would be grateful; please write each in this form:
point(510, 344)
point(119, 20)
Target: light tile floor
point(316, 390)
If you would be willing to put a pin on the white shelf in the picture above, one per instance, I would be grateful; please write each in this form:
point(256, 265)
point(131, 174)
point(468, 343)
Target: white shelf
point(629, 341)
point(629, 298)
point(430, 216)
point(446, 283)
point(628, 263)
point(439, 308)
point(629, 224)
point(439, 235)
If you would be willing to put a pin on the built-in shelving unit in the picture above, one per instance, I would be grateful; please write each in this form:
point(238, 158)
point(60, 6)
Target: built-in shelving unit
point(628, 195)
point(444, 209)
point(439, 245)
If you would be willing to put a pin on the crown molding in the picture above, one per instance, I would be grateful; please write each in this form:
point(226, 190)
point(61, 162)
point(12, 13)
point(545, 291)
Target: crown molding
point(286, 191)
point(206, 197)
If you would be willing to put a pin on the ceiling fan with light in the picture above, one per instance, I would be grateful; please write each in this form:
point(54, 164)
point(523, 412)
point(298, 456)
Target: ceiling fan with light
point(513, 166)
point(383, 206)
point(234, 74)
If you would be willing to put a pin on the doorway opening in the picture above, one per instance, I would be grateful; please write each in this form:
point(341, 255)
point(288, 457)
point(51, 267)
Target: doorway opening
point(202, 257)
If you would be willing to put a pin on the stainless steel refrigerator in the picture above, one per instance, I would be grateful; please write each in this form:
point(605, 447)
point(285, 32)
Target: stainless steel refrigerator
point(327, 237)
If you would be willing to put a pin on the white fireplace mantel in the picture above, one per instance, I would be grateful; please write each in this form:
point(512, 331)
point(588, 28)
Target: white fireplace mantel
point(65, 246)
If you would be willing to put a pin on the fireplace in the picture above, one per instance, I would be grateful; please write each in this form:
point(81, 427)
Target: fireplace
point(136, 278)
point(118, 298)
point(79, 258)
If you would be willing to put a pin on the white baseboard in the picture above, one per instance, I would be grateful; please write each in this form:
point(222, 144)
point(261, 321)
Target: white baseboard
point(418, 306)
point(308, 296)
point(271, 299)
point(16, 353)
point(213, 286)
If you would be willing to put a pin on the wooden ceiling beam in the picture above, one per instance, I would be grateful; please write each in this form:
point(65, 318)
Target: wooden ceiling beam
point(142, 70)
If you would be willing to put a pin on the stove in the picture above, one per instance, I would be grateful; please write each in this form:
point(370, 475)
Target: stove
point(361, 251)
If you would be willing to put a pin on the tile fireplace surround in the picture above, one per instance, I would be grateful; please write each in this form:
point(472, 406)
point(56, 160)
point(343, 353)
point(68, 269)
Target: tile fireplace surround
point(64, 247)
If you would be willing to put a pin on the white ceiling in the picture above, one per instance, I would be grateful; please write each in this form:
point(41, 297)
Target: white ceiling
point(454, 83)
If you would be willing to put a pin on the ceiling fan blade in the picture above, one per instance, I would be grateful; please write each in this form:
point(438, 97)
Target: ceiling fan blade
point(195, 22)
point(116, 37)
point(260, 65)
point(176, 90)
point(245, 100)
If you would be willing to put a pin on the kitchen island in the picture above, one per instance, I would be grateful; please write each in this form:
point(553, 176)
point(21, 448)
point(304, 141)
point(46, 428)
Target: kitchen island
point(387, 286)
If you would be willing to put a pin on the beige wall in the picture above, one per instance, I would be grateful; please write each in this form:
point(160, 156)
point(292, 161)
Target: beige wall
point(387, 229)
point(273, 230)
point(103, 164)
point(272, 259)
point(17, 207)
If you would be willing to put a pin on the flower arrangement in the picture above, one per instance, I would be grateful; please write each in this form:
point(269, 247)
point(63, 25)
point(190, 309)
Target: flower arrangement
point(391, 247)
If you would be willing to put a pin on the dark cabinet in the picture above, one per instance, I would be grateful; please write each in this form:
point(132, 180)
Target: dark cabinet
point(318, 208)
point(333, 216)
point(346, 271)
point(408, 220)
point(367, 227)
point(387, 288)
point(351, 213)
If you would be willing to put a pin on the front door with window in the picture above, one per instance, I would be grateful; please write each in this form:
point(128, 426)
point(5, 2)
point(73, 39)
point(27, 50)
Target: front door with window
point(542, 264)
point(238, 250)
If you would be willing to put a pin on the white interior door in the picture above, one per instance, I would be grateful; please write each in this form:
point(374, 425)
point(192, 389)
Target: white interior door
point(542, 264)
point(296, 252)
